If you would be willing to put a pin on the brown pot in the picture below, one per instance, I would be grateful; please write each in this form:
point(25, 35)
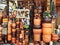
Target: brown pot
point(55, 37)
point(46, 38)
point(47, 31)
point(47, 25)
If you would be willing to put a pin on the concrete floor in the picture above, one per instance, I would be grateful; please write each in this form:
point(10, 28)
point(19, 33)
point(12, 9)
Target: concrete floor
point(57, 43)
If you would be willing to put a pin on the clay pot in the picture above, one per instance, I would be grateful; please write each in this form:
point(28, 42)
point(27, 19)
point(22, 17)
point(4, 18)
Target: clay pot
point(47, 25)
point(55, 37)
point(37, 33)
point(46, 38)
point(13, 40)
point(47, 31)
point(37, 20)
point(9, 37)
point(24, 43)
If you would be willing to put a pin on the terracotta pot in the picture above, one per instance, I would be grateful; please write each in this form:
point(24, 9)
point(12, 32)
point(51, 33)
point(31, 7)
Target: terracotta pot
point(13, 24)
point(13, 40)
point(47, 31)
point(37, 31)
point(37, 34)
point(26, 36)
point(17, 42)
point(14, 30)
point(22, 32)
point(9, 23)
point(55, 37)
point(9, 37)
point(46, 38)
point(37, 20)
point(37, 37)
point(47, 25)
point(21, 25)
point(24, 43)
point(9, 30)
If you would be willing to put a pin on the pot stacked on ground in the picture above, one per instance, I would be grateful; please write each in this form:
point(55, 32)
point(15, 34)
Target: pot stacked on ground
point(47, 31)
point(13, 31)
point(37, 21)
point(36, 29)
point(1, 34)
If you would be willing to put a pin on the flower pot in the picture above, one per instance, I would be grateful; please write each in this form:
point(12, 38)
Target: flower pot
point(46, 38)
point(47, 25)
point(47, 31)
point(55, 37)
point(37, 34)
